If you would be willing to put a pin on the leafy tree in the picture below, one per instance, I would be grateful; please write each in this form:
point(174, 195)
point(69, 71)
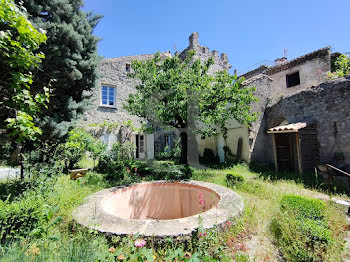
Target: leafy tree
point(70, 65)
point(19, 42)
point(342, 67)
point(181, 94)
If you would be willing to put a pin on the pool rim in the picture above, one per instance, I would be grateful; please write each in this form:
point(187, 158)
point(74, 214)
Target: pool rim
point(91, 214)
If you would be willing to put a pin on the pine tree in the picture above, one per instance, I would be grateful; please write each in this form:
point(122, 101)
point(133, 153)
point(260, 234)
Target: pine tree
point(70, 66)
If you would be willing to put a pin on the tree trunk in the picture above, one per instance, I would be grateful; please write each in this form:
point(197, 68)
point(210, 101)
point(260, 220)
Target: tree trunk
point(183, 158)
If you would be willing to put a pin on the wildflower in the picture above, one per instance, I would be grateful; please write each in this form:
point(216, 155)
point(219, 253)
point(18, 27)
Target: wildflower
point(201, 202)
point(202, 234)
point(135, 169)
point(128, 169)
point(140, 243)
point(111, 250)
point(120, 257)
point(228, 223)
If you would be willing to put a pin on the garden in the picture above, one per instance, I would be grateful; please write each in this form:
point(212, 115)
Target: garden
point(50, 63)
point(282, 218)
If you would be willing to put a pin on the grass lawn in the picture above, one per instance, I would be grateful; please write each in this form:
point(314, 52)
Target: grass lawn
point(250, 238)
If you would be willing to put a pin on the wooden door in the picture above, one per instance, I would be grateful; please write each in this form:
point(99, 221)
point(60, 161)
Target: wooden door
point(284, 152)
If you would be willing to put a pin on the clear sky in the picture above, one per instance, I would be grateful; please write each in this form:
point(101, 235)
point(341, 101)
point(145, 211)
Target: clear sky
point(251, 32)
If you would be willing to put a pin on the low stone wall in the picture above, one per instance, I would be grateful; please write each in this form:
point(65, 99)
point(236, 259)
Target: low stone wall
point(328, 105)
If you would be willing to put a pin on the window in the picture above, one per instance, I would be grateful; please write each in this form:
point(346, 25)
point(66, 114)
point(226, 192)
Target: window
point(167, 141)
point(293, 79)
point(108, 96)
point(127, 67)
point(142, 144)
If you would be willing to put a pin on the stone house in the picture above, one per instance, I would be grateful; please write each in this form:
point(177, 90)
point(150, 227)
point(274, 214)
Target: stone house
point(114, 89)
point(303, 120)
point(272, 84)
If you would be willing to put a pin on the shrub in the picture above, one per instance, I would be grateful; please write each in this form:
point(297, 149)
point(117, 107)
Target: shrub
point(168, 153)
point(114, 163)
point(20, 217)
point(303, 231)
point(6, 148)
point(170, 172)
point(234, 180)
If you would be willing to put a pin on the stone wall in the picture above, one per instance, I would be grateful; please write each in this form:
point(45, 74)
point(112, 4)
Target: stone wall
point(327, 105)
point(257, 139)
point(113, 73)
point(203, 53)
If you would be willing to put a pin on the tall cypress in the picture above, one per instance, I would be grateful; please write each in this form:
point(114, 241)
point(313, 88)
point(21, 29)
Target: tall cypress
point(70, 65)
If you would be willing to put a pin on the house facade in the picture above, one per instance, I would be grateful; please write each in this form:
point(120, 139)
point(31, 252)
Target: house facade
point(114, 88)
point(295, 129)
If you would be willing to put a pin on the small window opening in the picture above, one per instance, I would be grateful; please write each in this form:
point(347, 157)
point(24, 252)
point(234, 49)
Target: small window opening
point(203, 49)
point(127, 67)
point(293, 79)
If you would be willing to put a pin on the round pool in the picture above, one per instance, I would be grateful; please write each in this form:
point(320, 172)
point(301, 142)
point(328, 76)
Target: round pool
point(159, 208)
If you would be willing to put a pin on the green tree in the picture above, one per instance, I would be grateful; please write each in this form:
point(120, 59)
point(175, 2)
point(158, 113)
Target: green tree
point(181, 94)
point(70, 65)
point(19, 42)
point(341, 66)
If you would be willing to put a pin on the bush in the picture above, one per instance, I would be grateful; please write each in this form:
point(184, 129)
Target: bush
point(173, 153)
point(234, 180)
point(114, 163)
point(6, 149)
point(20, 217)
point(171, 172)
point(303, 231)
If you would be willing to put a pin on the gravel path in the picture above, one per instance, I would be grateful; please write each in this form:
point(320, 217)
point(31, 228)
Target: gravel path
point(9, 172)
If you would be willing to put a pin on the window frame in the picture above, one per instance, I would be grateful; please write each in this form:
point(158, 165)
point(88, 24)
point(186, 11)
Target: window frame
point(114, 99)
point(287, 77)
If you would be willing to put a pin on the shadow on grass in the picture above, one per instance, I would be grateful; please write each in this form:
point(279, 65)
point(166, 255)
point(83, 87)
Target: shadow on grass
point(308, 179)
point(14, 188)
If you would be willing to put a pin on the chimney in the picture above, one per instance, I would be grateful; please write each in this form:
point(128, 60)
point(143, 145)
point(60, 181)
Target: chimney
point(281, 60)
point(193, 40)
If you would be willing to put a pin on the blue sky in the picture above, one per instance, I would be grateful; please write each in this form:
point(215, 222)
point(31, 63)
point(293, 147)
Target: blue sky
point(251, 32)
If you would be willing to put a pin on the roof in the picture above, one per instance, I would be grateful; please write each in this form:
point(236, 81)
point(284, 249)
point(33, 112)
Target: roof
point(290, 128)
point(258, 70)
point(299, 60)
point(270, 70)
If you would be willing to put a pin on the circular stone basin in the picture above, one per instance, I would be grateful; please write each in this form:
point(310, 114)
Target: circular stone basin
point(159, 208)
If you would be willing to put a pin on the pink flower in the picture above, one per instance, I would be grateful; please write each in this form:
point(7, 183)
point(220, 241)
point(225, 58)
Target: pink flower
point(201, 202)
point(140, 243)
point(228, 223)
point(135, 169)
point(202, 234)
point(127, 169)
point(200, 194)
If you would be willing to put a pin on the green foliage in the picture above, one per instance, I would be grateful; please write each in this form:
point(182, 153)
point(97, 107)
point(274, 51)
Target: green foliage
point(303, 230)
point(113, 163)
point(175, 92)
point(19, 42)
point(70, 64)
point(234, 180)
point(6, 148)
point(79, 141)
point(342, 67)
point(173, 153)
point(19, 217)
